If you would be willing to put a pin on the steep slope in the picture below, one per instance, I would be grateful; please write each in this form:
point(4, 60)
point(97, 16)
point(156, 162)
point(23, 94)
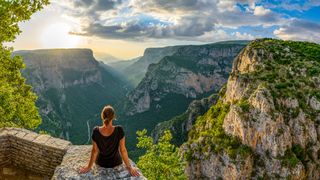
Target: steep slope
point(121, 65)
point(106, 58)
point(190, 72)
point(266, 125)
point(170, 85)
point(180, 125)
point(72, 88)
point(136, 71)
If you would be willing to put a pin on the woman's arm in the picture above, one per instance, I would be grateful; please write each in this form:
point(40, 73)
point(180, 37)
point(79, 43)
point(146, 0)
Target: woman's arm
point(94, 154)
point(124, 155)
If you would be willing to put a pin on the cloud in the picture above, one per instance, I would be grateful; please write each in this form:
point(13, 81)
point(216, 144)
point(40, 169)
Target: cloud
point(191, 26)
point(299, 30)
point(243, 36)
point(261, 11)
point(170, 19)
point(97, 5)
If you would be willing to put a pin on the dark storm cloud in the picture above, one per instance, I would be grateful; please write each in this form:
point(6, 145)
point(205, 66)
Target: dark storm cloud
point(97, 5)
point(136, 29)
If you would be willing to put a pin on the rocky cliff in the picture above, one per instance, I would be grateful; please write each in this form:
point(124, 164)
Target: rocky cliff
point(72, 88)
point(137, 70)
point(266, 125)
point(169, 86)
point(191, 72)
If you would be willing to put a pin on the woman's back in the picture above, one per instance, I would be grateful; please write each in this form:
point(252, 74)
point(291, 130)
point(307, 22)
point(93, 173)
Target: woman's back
point(109, 155)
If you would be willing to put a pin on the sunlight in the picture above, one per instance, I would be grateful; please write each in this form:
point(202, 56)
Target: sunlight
point(57, 36)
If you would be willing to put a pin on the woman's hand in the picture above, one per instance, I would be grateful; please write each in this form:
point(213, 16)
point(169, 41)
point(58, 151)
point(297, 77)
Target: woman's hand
point(84, 169)
point(133, 171)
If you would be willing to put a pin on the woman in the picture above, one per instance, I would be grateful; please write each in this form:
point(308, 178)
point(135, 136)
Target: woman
point(108, 143)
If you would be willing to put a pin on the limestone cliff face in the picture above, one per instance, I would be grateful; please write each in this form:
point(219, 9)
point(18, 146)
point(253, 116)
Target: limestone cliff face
point(60, 68)
point(267, 123)
point(72, 88)
point(137, 70)
point(191, 72)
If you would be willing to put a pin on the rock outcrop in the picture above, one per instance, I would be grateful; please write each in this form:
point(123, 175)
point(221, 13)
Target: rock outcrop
point(72, 88)
point(266, 125)
point(77, 156)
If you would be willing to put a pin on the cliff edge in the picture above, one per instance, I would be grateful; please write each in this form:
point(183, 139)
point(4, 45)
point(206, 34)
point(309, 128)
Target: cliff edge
point(266, 124)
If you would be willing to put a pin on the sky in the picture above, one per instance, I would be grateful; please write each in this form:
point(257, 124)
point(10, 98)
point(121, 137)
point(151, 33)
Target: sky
point(125, 28)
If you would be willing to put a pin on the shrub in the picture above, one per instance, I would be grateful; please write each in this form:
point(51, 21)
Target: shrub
point(161, 160)
point(244, 105)
point(289, 159)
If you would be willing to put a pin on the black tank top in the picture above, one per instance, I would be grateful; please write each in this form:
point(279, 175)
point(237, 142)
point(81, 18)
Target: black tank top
point(109, 155)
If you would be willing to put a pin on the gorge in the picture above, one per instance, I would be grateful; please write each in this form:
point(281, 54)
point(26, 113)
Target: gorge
point(238, 109)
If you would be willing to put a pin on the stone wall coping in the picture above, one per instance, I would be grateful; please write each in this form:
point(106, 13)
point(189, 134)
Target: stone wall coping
point(40, 139)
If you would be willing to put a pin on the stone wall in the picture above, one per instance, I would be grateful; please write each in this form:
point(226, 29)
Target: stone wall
point(27, 155)
point(4, 148)
point(31, 151)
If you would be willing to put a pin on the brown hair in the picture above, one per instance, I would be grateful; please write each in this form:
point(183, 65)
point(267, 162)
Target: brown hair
point(107, 114)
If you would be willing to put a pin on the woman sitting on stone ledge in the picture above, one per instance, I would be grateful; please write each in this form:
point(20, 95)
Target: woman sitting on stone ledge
point(106, 141)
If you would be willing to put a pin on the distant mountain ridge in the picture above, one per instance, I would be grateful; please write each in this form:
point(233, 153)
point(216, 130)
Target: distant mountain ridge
point(138, 69)
point(72, 87)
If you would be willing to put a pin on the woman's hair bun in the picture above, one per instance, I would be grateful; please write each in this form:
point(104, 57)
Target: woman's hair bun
point(107, 114)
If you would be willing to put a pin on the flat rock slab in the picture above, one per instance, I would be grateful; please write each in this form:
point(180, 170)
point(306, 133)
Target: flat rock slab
point(78, 156)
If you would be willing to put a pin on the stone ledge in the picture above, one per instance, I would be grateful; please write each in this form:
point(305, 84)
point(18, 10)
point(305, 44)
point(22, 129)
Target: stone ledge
point(78, 156)
point(41, 139)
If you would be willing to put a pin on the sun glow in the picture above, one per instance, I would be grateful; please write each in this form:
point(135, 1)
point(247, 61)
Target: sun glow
point(57, 36)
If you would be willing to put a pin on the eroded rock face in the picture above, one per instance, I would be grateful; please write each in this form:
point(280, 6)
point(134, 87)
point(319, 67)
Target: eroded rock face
point(60, 68)
point(191, 71)
point(278, 121)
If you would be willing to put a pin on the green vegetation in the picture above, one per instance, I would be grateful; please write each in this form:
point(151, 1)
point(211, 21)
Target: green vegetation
point(244, 105)
point(17, 101)
point(178, 124)
point(209, 128)
point(289, 72)
point(299, 152)
point(161, 160)
point(289, 159)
